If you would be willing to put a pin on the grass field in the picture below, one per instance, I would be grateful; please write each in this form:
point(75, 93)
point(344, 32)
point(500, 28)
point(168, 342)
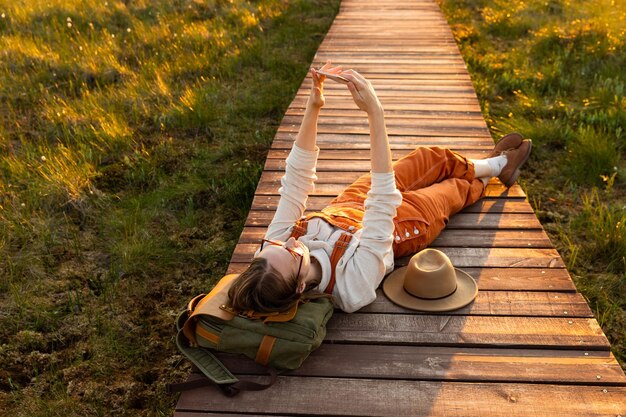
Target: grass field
point(132, 135)
point(554, 71)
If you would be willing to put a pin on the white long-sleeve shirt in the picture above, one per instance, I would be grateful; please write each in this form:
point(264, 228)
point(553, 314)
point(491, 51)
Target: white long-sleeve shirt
point(368, 258)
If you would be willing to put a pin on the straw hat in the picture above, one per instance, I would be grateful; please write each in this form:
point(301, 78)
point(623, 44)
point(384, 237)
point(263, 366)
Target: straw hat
point(430, 283)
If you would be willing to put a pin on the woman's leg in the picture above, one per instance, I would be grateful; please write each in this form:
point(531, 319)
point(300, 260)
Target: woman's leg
point(427, 166)
point(424, 213)
point(421, 168)
point(435, 184)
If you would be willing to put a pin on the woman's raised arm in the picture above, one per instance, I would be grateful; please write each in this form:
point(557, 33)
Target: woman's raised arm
point(365, 98)
point(307, 135)
point(299, 179)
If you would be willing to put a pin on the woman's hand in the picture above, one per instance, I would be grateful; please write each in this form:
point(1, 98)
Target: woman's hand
point(316, 98)
point(362, 92)
point(365, 97)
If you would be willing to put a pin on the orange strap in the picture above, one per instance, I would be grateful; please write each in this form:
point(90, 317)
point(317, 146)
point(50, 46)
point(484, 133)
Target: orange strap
point(299, 229)
point(210, 336)
point(340, 247)
point(265, 349)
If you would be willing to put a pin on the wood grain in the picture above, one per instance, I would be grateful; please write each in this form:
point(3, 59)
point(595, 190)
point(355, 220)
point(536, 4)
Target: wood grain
point(446, 330)
point(458, 221)
point(264, 202)
point(375, 397)
point(331, 183)
point(462, 257)
point(503, 303)
point(451, 364)
point(451, 237)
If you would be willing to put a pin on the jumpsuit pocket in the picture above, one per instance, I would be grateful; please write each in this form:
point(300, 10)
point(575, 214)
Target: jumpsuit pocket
point(409, 228)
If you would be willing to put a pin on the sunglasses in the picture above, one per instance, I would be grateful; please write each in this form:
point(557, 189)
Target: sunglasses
point(295, 252)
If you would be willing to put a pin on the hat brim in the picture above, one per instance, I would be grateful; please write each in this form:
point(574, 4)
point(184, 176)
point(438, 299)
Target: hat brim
point(466, 292)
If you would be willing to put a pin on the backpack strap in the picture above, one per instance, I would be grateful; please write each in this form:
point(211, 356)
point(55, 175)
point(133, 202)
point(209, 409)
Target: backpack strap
point(214, 370)
point(299, 229)
point(205, 361)
point(265, 349)
point(338, 250)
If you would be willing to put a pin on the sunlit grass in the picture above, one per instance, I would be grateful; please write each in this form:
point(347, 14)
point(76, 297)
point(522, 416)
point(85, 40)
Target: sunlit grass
point(606, 224)
point(132, 136)
point(554, 71)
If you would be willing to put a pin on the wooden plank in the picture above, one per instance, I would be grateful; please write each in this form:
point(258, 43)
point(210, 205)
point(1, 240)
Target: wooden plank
point(500, 257)
point(499, 205)
point(331, 183)
point(463, 257)
point(412, 115)
point(395, 141)
point(317, 203)
point(348, 156)
point(396, 85)
point(416, 116)
point(407, 40)
point(356, 165)
point(342, 102)
point(417, 52)
point(496, 238)
point(529, 279)
point(394, 124)
point(393, 49)
point(397, 95)
point(449, 93)
point(458, 221)
point(451, 364)
point(338, 396)
point(354, 27)
point(493, 220)
point(356, 30)
point(422, 129)
point(450, 330)
point(453, 238)
point(384, 43)
point(203, 414)
point(393, 105)
point(406, 143)
point(503, 303)
point(361, 141)
point(498, 279)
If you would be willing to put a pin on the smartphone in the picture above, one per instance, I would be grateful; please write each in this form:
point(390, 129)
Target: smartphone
point(335, 77)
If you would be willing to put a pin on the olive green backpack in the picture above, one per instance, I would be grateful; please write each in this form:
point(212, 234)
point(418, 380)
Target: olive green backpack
point(280, 341)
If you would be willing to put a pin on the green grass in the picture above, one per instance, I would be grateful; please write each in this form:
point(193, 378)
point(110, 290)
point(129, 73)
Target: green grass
point(554, 71)
point(132, 136)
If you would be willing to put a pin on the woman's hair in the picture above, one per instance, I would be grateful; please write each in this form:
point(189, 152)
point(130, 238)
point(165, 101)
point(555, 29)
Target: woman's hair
point(263, 289)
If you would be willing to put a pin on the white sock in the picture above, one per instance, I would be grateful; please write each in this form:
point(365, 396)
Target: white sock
point(484, 169)
point(496, 164)
point(490, 167)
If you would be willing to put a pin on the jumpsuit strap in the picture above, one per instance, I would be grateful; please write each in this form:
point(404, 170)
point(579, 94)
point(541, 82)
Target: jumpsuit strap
point(340, 247)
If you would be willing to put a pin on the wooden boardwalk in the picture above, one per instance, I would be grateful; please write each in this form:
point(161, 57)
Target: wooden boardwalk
point(528, 345)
